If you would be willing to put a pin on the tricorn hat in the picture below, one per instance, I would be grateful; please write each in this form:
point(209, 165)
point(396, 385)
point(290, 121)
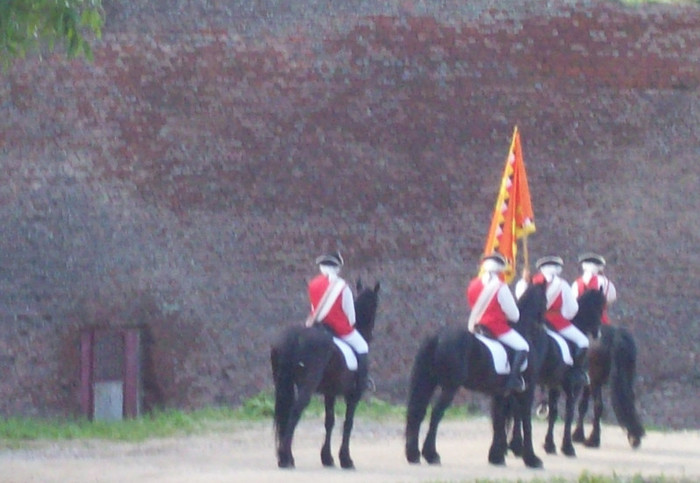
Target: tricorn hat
point(551, 260)
point(495, 256)
point(592, 258)
point(332, 259)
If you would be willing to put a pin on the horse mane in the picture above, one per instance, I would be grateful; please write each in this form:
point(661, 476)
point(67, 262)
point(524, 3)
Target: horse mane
point(590, 311)
point(531, 304)
point(366, 302)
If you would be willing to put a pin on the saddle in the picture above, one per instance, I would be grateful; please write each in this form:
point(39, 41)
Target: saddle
point(345, 349)
point(562, 343)
point(499, 354)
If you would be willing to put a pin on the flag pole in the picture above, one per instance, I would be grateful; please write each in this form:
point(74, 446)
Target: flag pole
point(526, 260)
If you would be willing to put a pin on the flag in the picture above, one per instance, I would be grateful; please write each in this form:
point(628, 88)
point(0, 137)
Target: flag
point(513, 217)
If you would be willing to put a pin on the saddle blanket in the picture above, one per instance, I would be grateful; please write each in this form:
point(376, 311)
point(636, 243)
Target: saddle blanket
point(563, 346)
point(499, 355)
point(348, 353)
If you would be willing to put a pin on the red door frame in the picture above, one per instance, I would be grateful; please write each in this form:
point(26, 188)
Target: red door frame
point(131, 370)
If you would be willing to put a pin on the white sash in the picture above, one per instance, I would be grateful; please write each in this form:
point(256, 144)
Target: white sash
point(324, 306)
point(553, 290)
point(482, 301)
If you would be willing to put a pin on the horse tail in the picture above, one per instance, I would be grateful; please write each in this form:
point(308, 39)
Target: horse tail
point(282, 360)
point(422, 384)
point(622, 376)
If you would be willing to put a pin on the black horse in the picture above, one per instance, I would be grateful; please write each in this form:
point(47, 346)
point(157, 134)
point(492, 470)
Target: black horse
point(455, 358)
point(613, 360)
point(554, 374)
point(306, 361)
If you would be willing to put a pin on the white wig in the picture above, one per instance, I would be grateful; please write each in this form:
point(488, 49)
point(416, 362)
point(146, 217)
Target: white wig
point(329, 270)
point(591, 267)
point(493, 266)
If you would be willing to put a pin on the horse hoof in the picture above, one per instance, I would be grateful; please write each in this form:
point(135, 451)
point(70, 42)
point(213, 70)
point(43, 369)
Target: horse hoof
point(577, 436)
point(569, 451)
point(287, 464)
point(413, 456)
point(347, 464)
point(328, 463)
point(533, 462)
point(549, 448)
point(497, 458)
point(592, 443)
point(634, 441)
point(432, 458)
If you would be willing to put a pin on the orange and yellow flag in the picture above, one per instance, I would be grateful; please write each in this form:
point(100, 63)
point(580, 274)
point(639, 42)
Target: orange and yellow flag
point(513, 217)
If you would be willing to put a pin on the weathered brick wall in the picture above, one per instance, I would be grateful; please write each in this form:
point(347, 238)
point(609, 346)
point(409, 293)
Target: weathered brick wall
point(185, 180)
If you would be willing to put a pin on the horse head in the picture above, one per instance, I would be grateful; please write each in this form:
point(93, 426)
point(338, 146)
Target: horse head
point(366, 303)
point(588, 319)
point(532, 305)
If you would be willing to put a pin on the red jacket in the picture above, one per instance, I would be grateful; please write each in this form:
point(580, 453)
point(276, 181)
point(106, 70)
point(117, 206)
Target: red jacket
point(336, 318)
point(494, 318)
point(554, 317)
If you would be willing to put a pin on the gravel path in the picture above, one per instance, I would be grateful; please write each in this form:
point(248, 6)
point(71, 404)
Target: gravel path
point(246, 454)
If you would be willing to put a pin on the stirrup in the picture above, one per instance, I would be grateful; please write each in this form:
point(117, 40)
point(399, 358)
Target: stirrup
point(586, 379)
point(371, 386)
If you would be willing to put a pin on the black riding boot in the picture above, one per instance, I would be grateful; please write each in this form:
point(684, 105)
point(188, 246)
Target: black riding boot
point(581, 366)
point(515, 381)
point(362, 372)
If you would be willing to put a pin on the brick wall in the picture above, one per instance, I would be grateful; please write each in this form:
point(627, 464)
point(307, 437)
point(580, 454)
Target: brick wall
point(185, 180)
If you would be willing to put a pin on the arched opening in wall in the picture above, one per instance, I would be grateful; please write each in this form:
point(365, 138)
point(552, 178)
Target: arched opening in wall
point(110, 373)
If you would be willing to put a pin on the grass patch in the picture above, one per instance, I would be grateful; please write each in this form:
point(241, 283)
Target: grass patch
point(154, 425)
point(167, 423)
point(262, 406)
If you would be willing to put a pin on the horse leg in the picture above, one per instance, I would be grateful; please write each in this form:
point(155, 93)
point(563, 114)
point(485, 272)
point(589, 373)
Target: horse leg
point(429, 444)
point(553, 403)
point(415, 413)
point(516, 439)
point(285, 458)
point(414, 417)
point(593, 440)
point(344, 454)
point(326, 456)
point(579, 433)
point(499, 443)
point(567, 446)
point(524, 406)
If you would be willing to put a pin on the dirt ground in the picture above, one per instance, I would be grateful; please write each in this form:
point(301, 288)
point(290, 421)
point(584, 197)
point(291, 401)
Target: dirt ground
point(246, 454)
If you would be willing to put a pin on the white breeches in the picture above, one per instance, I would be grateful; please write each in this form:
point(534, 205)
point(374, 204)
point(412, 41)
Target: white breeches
point(514, 340)
point(576, 336)
point(357, 342)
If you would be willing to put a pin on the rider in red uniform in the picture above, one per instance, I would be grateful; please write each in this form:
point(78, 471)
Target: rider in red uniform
point(333, 304)
point(493, 306)
point(562, 307)
point(592, 278)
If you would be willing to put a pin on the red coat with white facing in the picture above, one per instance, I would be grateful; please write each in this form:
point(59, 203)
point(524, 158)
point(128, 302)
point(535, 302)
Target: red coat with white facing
point(494, 317)
point(336, 319)
point(561, 302)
